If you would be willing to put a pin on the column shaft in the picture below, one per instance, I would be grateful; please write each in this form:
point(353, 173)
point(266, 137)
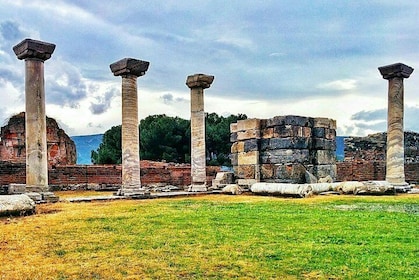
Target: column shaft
point(35, 122)
point(130, 134)
point(198, 157)
point(395, 133)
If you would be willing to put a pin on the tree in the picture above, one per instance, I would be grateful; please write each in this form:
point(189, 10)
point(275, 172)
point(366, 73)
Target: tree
point(169, 138)
point(217, 138)
point(109, 151)
point(165, 138)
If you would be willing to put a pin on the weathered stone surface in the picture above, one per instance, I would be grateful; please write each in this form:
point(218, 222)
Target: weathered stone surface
point(291, 131)
point(289, 120)
point(129, 66)
point(250, 145)
point(248, 134)
point(323, 156)
point(199, 81)
point(16, 205)
point(246, 171)
point(30, 48)
point(323, 144)
point(285, 143)
point(396, 70)
point(322, 132)
point(222, 179)
point(248, 124)
point(233, 127)
point(247, 158)
point(232, 189)
point(60, 148)
point(234, 158)
point(233, 137)
point(16, 188)
point(310, 178)
point(290, 173)
point(281, 189)
point(267, 133)
point(324, 122)
point(285, 156)
point(321, 171)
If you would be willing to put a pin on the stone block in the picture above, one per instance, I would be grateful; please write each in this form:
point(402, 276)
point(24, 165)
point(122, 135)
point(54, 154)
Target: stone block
point(322, 171)
point(267, 133)
point(285, 156)
point(248, 134)
point(16, 188)
point(290, 120)
point(323, 144)
point(17, 204)
point(287, 130)
point(290, 173)
point(324, 122)
point(323, 156)
point(289, 143)
point(246, 171)
point(248, 124)
point(322, 132)
point(248, 158)
point(267, 171)
point(234, 159)
point(233, 148)
point(250, 145)
point(247, 183)
point(233, 127)
point(233, 137)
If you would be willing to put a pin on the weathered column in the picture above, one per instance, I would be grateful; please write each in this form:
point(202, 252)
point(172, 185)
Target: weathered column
point(35, 53)
point(197, 83)
point(130, 69)
point(395, 73)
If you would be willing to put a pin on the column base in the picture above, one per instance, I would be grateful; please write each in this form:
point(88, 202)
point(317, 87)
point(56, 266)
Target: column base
point(197, 188)
point(131, 192)
point(400, 187)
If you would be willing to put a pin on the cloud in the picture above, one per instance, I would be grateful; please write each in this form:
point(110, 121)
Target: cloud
point(103, 103)
point(340, 85)
point(10, 31)
point(373, 115)
point(168, 99)
point(64, 85)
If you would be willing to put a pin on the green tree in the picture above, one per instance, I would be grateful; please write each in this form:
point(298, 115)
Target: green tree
point(169, 138)
point(217, 138)
point(109, 151)
point(165, 138)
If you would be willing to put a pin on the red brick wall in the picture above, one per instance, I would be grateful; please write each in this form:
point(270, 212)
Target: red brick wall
point(63, 175)
point(372, 170)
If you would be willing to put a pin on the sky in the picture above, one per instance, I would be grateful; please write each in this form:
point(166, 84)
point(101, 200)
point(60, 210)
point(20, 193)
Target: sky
point(316, 58)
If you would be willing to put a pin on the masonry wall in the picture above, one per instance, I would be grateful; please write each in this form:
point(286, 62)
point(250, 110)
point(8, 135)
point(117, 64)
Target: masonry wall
point(60, 177)
point(372, 170)
point(283, 148)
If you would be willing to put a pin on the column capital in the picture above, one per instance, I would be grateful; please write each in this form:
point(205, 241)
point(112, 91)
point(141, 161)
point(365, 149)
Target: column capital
point(199, 80)
point(396, 70)
point(129, 66)
point(30, 48)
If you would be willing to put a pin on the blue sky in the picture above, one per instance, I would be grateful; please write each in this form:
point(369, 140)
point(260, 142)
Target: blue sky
point(312, 58)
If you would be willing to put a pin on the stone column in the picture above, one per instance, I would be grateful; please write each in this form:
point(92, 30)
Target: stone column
point(130, 69)
point(35, 53)
point(395, 73)
point(197, 83)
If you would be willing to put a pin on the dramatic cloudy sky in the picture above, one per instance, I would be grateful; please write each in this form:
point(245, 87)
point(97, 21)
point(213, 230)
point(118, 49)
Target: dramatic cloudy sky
point(315, 58)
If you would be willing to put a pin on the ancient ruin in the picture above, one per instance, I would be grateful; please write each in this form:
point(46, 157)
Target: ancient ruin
point(197, 83)
point(61, 150)
point(395, 73)
point(35, 53)
point(284, 149)
point(130, 69)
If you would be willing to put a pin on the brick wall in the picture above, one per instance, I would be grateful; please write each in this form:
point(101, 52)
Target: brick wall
point(65, 175)
point(372, 170)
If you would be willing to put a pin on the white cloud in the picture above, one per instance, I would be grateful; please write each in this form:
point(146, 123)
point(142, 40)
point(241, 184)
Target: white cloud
point(345, 84)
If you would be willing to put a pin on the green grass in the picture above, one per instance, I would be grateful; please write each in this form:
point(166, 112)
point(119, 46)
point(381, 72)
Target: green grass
point(217, 237)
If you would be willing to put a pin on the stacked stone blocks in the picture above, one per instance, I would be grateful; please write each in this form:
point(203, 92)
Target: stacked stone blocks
point(283, 148)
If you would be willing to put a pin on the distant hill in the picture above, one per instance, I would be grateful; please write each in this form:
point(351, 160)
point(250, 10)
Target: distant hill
point(84, 146)
point(86, 143)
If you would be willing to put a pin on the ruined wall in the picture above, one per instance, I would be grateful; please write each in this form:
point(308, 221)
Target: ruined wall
point(283, 148)
point(60, 177)
point(61, 149)
point(374, 147)
point(372, 170)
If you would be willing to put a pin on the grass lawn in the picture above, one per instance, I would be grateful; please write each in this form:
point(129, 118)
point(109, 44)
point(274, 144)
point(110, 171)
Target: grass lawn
point(216, 237)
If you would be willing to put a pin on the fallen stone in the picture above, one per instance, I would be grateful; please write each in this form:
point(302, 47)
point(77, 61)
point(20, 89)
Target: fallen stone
point(327, 179)
point(16, 205)
point(281, 189)
point(232, 189)
point(37, 197)
point(16, 188)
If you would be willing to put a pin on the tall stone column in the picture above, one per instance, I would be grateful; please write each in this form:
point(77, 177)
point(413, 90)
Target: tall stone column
point(197, 83)
point(395, 73)
point(35, 53)
point(130, 69)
